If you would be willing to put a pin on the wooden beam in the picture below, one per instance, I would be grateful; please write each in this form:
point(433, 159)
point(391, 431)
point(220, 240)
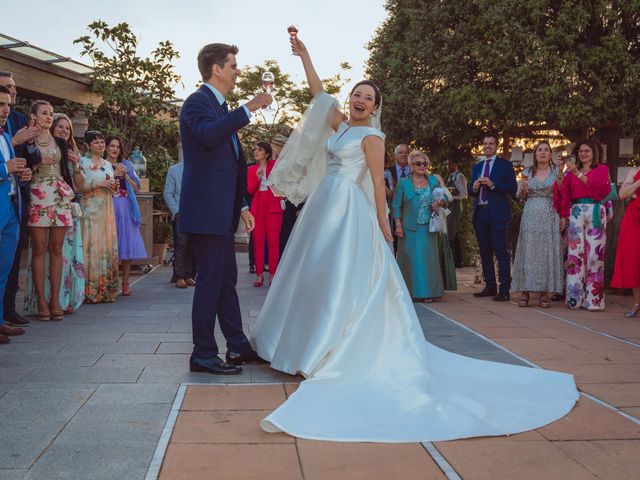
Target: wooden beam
point(38, 79)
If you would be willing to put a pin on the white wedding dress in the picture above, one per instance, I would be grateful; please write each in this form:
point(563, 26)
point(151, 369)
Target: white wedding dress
point(340, 314)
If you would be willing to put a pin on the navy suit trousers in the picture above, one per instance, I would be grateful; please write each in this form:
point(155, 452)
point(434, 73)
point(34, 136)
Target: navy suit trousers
point(492, 240)
point(215, 295)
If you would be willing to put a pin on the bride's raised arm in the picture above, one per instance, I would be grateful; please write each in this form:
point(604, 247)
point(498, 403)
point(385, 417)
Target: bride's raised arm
point(315, 84)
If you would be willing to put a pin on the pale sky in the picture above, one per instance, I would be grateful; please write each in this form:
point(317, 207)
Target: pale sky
point(333, 30)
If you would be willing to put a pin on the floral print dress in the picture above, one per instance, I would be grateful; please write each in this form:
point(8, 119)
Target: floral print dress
point(99, 234)
point(50, 199)
point(583, 205)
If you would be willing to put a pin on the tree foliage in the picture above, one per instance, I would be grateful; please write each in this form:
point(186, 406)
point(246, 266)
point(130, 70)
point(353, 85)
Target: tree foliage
point(452, 69)
point(137, 93)
point(290, 100)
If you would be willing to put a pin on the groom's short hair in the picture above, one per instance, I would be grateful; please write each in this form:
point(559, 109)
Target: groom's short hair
point(214, 54)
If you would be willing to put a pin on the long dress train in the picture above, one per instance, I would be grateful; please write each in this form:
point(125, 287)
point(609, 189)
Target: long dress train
point(340, 313)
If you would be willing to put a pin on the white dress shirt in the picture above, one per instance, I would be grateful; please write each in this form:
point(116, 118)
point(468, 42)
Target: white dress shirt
point(6, 153)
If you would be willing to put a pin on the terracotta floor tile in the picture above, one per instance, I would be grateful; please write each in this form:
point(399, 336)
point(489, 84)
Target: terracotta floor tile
point(590, 421)
point(494, 459)
point(290, 388)
point(619, 357)
point(618, 394)
point(633, 411)
point(619, 459)
point(237, 462)
point(225, 427)
point(510, 332)
point(606, 374)
point(239, 397)
point(366, 461)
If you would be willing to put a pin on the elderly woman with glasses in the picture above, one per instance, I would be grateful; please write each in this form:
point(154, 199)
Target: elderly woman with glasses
point(418, 254)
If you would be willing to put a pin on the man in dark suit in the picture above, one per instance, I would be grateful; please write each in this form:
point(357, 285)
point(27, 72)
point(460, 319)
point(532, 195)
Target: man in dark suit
point(212, 200)
point(492, 182)
point(401, 169)
point(21, 134)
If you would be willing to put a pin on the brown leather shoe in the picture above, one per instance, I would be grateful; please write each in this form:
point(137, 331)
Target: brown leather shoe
point(181, 283)
point(4, 339)
point(10, 331)
point(190, 281)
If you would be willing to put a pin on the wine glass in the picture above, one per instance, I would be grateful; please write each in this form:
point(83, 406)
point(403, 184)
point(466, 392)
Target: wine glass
point(293, 32)
point(268, 80)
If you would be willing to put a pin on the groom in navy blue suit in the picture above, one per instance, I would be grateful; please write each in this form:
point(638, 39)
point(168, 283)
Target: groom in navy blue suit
point(212, 201)
point(492, 182)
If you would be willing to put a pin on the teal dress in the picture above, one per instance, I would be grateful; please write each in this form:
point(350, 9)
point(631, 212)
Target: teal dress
point(418, 252)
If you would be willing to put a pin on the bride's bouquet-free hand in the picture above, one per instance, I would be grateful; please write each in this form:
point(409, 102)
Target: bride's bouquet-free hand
point(438, 221)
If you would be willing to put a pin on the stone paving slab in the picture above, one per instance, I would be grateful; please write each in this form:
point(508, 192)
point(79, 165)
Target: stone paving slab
point(29, 423)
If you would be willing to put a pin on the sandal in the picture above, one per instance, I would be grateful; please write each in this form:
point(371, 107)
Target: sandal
point(634, 311)
point(125, 290)
point(524, 300)
point(44, 315)
point(259, 281)
point(544, 300)
point(57, 315)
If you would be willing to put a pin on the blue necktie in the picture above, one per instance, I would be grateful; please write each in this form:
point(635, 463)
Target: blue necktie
point(484, 193)
point(234, 138)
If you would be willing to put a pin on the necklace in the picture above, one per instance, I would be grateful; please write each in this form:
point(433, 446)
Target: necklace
point(45, 144)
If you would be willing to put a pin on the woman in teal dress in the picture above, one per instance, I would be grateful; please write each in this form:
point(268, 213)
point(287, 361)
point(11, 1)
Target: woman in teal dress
point(418, 253)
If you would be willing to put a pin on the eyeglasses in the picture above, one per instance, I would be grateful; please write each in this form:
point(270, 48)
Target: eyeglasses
point(420, 164)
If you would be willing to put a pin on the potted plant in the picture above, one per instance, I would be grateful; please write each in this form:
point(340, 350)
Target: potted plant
point(161, 238)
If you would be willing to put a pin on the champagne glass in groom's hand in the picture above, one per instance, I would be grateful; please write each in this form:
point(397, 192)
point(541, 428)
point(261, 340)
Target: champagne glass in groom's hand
point(261, 100)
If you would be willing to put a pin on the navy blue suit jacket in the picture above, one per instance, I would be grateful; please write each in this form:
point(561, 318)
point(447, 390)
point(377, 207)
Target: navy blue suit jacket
point(504, 178)
point(214, 180)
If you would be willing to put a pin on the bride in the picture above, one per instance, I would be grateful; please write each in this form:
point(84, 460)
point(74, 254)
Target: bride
point(339, 312)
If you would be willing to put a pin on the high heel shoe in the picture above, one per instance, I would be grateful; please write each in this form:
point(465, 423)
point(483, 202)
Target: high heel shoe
point(259, 281)
point(57, 315)
point(544, 300)
point(634, 312)
point(524, 300)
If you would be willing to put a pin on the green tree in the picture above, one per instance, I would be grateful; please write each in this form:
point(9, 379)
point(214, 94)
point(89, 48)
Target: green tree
point(290, 100)
point(454, 69)
point(137, 93)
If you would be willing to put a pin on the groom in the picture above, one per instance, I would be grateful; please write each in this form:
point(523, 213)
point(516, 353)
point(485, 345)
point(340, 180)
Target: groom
point(211, 203)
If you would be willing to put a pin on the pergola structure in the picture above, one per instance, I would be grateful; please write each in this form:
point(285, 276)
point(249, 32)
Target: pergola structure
point(39, 73)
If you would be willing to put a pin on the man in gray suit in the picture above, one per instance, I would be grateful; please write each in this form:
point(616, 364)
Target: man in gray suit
point(182, 250)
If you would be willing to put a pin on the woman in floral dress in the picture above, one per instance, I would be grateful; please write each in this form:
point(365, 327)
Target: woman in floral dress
point(49, 209)
point(580, 204)
point(72, 284)
point(98, 223)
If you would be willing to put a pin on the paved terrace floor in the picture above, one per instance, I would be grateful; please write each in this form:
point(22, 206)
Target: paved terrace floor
point(106, 394)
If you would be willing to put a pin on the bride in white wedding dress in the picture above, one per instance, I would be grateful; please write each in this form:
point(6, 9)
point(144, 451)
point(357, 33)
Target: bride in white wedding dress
point(339, 312)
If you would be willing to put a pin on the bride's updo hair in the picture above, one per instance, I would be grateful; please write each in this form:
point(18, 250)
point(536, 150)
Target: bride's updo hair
point(378, 98)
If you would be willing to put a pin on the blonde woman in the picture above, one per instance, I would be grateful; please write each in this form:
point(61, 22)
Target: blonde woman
point(72, 282)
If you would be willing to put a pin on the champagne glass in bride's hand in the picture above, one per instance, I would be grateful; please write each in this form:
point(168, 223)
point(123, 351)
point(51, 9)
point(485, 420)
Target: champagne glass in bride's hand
point(268, 79)
point(293, 36)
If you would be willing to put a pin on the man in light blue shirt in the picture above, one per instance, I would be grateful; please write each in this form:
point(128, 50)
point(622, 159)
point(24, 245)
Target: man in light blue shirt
point(183, 271)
